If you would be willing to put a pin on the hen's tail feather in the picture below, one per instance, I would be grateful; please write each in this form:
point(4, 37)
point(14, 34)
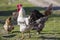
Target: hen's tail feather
point(49, 10)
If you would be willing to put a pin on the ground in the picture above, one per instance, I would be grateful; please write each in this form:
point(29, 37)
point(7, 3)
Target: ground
point(44, 3)
point(51, 30)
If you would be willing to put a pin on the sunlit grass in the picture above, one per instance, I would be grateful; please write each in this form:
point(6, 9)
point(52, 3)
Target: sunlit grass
point(51, 29)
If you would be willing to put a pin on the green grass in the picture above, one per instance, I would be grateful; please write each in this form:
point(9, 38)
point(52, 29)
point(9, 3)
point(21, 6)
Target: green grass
point(12, 6)
point(51, 30)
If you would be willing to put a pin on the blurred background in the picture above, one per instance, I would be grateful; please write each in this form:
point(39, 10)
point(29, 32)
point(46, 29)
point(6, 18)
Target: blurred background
point(51, 30)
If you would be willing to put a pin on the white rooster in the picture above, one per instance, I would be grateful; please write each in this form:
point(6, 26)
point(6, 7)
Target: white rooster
point(22, 20)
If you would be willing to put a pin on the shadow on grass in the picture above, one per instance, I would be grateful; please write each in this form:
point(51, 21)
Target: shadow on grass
point(54, 8)
point(27, 9)
point(6, 13)
point(55, 15)
point(19, 32)
point(9, 35)
point(49, 33)
point(46, 38)
point(16, 32)
point(50, 38)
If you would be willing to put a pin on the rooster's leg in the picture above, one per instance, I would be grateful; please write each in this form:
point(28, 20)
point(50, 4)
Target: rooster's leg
point(22, 36)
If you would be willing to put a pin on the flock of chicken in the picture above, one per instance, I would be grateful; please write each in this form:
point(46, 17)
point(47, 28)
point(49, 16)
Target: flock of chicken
point(28, 23)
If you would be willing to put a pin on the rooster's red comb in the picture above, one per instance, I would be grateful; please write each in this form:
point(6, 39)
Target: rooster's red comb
point(19, 5)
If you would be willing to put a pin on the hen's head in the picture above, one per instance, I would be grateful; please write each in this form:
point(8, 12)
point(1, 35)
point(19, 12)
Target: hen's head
point(9, 18)
point(19, 7)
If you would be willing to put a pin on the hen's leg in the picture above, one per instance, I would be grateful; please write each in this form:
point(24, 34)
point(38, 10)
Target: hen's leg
point(29, 34)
